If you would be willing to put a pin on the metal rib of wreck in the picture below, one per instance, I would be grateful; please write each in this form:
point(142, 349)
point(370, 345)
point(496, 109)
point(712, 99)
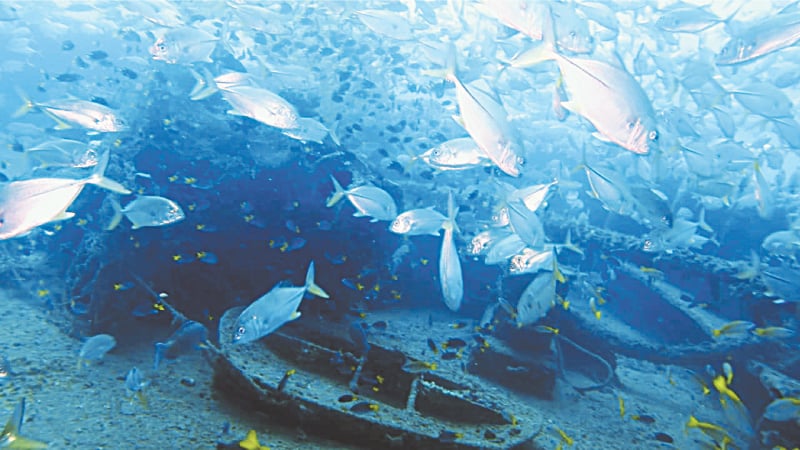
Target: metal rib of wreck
point(306, 375)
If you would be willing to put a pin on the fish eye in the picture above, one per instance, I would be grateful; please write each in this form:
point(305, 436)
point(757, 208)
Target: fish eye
point(653, 135)
point(240, 331)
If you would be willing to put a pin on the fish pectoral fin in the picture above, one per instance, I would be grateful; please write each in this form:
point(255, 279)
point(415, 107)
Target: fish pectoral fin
point(60, 124)
point(117, 214)
point(572, 107)
point(65, 215)
point(601, 137)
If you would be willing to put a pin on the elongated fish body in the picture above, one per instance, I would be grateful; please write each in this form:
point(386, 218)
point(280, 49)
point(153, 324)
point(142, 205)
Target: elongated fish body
point(273, 309)
point(27, 204)
point(773, 34)
point(184, 45)
point(450, 275)
point(688, 20)
point(531, 261)
point(89, 115)
point(262, 105)
point(369, 201)
point(526, 224)
point(504, 249)
point(418, 221)
point(612, 100)
point(488, 130)
point(63, 153)
point(607, 188)
point(456, 154)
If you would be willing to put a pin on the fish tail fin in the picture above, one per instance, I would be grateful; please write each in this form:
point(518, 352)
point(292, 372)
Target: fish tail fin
point(99, 180)
point(11, 431)
point(27, 105)
point(204, 86)
point(452, 211)
point(451, 62)
point(450, 65)
point(117, 218)
point(701, 222)
point(548, 31)
point(160, 349)
point(338, 193)
point(570, 246)
point(752, 270)
point(311, 286)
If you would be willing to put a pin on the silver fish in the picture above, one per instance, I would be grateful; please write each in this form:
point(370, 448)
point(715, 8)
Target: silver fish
point(147, 211)
point(486, 122)
point(450, 275)
point(63, 153)
point(764, 99)
point(273, 309)
point(418, 221)
point(369, 201)
point(260, 104)
point(89, 115)
point(456, 154)
point(689, 20)
point(184, 45)
point(27, 204)
point(773, 34)
point(604, 94)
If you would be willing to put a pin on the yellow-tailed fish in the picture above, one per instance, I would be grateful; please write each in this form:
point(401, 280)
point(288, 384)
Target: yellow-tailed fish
point(774, 332)
point(734, 328)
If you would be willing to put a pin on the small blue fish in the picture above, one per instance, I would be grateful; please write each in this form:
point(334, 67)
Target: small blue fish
point(206, 257)
point(335, 258)
point(144, 310)
point(188, 337)
point(350, 284)
point(295, 244)
point(292, 226)
point(147, 211)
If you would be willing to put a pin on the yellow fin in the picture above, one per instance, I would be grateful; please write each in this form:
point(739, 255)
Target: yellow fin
point(251, 442)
